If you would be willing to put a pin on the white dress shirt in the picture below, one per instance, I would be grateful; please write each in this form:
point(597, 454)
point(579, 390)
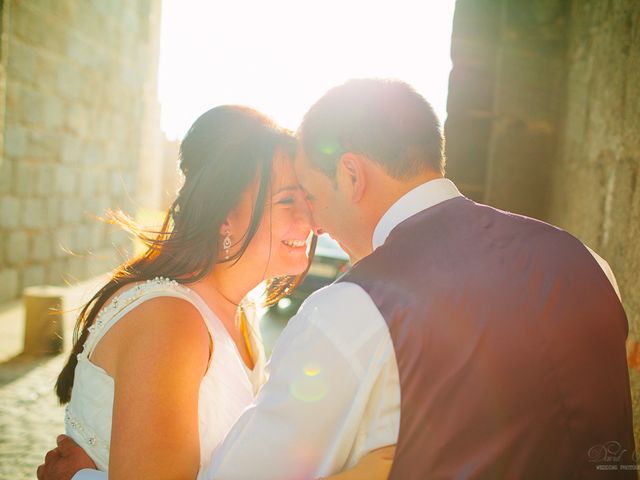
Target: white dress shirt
point(333, 393)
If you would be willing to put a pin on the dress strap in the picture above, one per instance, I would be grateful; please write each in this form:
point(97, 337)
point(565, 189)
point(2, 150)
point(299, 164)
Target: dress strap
point(127, 300)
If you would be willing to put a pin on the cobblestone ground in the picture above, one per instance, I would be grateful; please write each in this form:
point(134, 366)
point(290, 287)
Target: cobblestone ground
point(30, 417)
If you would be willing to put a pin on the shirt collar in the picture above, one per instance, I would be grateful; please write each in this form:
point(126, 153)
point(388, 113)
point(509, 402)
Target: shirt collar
point(420, 198)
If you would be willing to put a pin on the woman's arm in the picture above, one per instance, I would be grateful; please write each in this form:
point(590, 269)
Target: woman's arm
point(375, 465)
point(161, 355)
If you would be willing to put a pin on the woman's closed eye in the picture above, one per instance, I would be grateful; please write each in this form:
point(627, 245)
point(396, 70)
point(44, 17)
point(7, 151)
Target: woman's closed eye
point(286, 201)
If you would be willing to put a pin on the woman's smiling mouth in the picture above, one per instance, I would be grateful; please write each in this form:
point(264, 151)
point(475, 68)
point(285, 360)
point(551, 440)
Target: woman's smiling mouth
point(295, 243)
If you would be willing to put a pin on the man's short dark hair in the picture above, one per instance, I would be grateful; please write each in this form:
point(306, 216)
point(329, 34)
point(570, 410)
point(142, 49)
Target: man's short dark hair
point(386, 120)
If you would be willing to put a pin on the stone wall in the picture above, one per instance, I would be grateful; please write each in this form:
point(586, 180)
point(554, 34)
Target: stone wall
point(595, 190)
point(506, 100)
point(75, 74)
point(544, 119)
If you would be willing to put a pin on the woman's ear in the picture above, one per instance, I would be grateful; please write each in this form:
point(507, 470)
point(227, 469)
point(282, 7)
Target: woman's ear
point(225, 227)
point(351, 175)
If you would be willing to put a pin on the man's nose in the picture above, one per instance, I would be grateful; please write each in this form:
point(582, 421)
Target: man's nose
point(317, 230)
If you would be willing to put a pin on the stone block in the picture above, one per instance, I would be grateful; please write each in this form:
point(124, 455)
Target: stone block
point(43, 333)
point(43, 145)
point(53, 112)
point(33, 275)
point(13, 101)
point(478, 20)
point(538, 25)
point(83, 239)
point(530, 85)
point(6, 175)
point(65, 242)
point(57, 272)
point(77, 268)
point(122, 241)
point(78, 118)
point(34, 213)
point(57, 37)
point(23, 62)
point(475, 86)
point(88, 183)
point(102, 182)
point(93, 154)
point(44, 185)
point(467, 153)
point(116, 95)
point(31, 106)
point(98, 237)
point(41, 247)
point(17, 248)
point(105, 260)
point(104, 129)
point(116, 183)
point(80, 52)
point(66, 180)
point(89, 92)
point(10, 212)
point(53, 211)
point(69, 82)
point(66, 10)
point(130, 182)
point(522, 159)
point(97, 206)
point(9, 284)
point(24, 179)
point(15, 141)
point(72, 211)
point(27, 25)
point(71, 150)
point(47, 66)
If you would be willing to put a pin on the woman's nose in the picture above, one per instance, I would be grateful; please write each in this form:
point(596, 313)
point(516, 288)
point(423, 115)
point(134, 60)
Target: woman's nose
point(304, 215)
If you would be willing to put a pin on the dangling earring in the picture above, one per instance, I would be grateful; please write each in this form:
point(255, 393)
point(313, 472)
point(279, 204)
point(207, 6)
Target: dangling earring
point(226, 245)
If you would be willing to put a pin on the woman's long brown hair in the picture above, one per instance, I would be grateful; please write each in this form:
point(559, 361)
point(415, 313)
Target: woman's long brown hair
point(220, 156)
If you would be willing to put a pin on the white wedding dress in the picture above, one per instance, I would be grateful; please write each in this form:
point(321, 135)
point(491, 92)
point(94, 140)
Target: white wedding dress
point(226, 389)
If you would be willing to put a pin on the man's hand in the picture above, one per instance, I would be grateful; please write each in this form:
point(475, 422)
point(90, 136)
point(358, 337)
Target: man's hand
point(375, 465)
point(64, 461)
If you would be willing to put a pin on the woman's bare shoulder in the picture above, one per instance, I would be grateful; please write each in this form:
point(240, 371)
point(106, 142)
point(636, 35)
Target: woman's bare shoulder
point(163, 326)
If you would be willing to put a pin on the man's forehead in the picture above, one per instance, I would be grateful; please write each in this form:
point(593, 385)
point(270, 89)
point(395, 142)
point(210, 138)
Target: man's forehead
point(300, 155)
point(301, 163)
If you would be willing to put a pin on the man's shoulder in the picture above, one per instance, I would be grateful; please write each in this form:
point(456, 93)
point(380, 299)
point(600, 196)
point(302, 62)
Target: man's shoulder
point(342, 310)
point(337, 299)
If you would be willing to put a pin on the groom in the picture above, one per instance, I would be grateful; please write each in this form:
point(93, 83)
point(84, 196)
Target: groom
point(485, 344)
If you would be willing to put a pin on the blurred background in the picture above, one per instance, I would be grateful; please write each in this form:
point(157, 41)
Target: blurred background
point(540, 102)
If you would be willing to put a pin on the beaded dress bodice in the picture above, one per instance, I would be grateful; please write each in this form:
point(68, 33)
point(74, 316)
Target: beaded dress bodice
point(227, 387)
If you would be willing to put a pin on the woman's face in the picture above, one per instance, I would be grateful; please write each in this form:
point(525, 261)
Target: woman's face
point(279, 246)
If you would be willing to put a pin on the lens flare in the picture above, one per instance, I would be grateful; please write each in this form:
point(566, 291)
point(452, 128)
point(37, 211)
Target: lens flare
point(311, 370)
point(310, 386)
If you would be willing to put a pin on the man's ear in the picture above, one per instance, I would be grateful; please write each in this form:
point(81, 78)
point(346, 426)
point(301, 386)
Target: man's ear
point(351, 174)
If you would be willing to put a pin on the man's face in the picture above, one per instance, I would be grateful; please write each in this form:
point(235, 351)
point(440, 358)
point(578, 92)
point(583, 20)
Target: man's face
point(329, 208)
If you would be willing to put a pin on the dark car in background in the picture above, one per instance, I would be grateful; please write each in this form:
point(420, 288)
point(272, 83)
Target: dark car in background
point(329, 262)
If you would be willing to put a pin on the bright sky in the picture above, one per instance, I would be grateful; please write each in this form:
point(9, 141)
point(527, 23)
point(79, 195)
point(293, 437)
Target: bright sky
point(279, 56)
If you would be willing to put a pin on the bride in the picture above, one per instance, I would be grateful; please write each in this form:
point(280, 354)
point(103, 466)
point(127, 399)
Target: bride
point(166, 352)
point(164, 349)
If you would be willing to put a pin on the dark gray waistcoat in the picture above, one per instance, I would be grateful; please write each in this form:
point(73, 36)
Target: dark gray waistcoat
point(510, 343)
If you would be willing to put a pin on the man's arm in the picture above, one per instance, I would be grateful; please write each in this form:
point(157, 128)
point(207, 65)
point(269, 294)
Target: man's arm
point(305, 419)
point(607, 270)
